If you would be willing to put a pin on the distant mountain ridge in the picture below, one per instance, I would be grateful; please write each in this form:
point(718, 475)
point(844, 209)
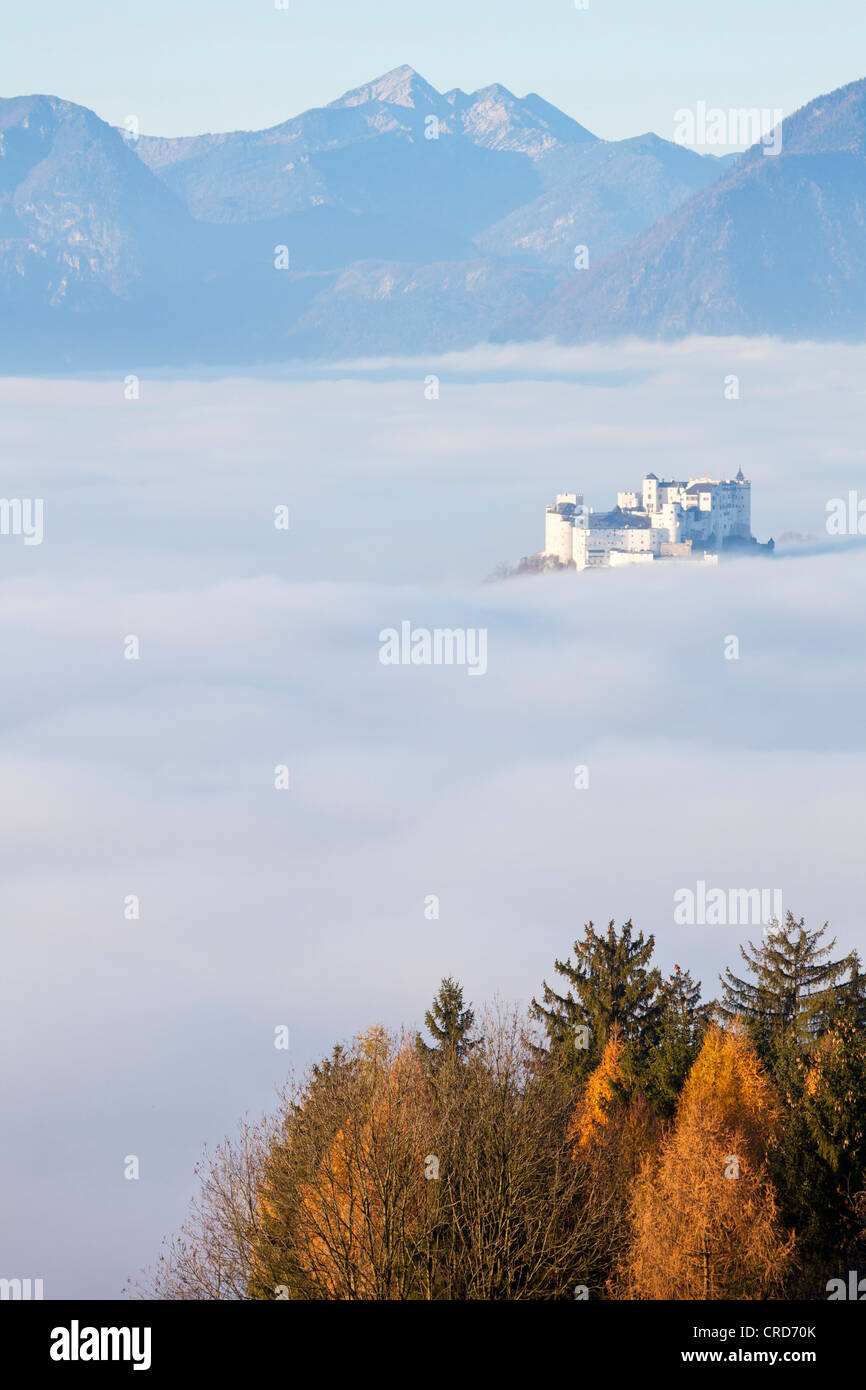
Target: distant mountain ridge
point(777, 245)
point(414, 220)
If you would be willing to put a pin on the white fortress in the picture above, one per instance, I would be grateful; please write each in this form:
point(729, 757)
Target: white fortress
point(665, 521)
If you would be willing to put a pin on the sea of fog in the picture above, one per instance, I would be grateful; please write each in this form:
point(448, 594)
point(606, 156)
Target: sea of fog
point(259, 648)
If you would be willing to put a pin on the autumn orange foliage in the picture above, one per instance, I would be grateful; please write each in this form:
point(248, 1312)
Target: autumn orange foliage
point(728, 1075)
point(362, 1214)
point(592, 1113)
point(704, 1218)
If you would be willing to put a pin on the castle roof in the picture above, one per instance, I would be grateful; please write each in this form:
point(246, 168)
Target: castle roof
point(618, 520)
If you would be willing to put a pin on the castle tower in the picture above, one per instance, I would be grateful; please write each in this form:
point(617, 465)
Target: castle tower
point(650, 493)
point(559, 524)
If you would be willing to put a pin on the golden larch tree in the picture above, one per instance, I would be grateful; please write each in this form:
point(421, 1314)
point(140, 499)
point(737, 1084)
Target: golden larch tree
point(705, 1223)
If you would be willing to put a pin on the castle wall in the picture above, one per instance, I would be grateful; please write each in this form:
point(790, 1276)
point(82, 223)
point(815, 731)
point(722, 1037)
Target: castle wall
point(677, 514)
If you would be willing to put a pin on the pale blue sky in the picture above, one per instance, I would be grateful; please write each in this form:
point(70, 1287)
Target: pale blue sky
point(620, 67)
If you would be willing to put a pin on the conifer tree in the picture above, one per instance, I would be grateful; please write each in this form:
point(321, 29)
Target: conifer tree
point(705, 1218)
point(819, 1158)
point(449, 1022)
point(613, 1133)
point(683, 1020)
point(611, 982)
point(848, 1003)
point(797, 985)
point(604, 1088)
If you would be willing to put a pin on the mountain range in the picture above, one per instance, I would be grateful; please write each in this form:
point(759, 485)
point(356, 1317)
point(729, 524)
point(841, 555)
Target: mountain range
point(414, 220)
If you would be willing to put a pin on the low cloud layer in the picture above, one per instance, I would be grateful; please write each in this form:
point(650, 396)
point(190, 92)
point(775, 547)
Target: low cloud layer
point(260, 648)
